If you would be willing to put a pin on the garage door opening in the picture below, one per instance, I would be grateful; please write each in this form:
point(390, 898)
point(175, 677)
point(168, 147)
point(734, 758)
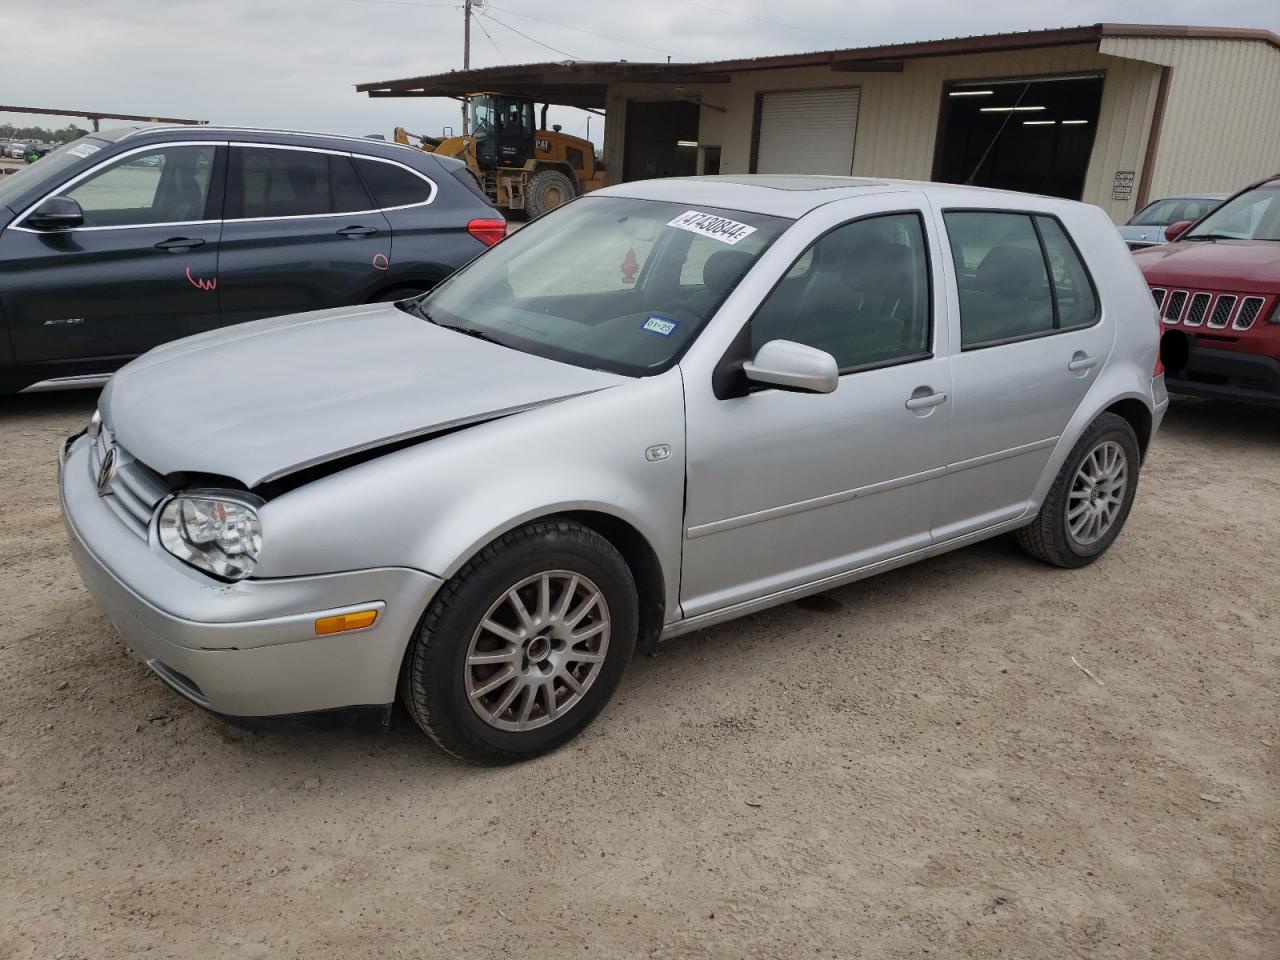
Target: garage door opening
point(662, 139)
point(1030, 135)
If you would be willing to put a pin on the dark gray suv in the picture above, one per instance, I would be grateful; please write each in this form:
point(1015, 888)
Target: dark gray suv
point(133, 237)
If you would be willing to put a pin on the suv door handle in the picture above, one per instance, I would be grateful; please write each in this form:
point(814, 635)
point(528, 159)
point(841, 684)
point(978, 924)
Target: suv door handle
point(357, 232)
point(178, 244)
point(929, 400)
point(1082, 361)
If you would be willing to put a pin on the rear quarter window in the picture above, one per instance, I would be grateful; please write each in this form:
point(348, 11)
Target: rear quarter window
point(393, 185)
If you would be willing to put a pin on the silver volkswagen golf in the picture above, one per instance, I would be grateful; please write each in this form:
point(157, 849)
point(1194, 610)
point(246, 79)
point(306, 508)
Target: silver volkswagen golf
point(663, 406)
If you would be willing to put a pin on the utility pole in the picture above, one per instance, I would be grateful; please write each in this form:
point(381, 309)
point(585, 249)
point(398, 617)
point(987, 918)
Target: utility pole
point(466, 60)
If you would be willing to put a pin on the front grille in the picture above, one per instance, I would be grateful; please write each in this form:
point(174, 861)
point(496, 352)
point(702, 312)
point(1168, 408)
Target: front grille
point(1250, 307)
point(132, 490)
point(1158, 295)
point(1173, 306)
point(1199, 307)
point(1222, 311)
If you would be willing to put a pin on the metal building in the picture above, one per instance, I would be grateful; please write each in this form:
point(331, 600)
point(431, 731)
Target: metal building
point(1113, 114)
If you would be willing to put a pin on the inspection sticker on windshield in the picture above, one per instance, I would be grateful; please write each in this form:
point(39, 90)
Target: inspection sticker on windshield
point(713, 226)
point(84, 150)
point(661, 325)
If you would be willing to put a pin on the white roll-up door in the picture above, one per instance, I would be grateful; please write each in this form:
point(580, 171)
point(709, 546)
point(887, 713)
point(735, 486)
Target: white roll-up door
point(808, 131)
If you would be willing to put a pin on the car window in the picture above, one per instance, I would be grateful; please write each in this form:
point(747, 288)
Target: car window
point(164, 185)
point(269, 182)
point(1074, 297)
point(1173, 210)
point(392, 185)
point(1000, 271)
point(860, 292)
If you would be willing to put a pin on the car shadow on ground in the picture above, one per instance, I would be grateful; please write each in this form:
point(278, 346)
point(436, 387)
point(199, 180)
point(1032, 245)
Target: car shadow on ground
point(1221, 420)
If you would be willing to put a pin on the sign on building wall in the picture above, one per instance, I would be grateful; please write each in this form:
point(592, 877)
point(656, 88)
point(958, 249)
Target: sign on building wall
point(1122, 189)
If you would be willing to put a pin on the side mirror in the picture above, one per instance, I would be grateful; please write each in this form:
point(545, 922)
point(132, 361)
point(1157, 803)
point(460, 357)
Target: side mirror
point(56, 213)
point(793, 366)
point(1174, 230)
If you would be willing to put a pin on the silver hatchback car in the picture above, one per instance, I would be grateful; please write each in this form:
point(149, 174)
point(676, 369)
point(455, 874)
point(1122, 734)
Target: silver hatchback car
point(663, 406)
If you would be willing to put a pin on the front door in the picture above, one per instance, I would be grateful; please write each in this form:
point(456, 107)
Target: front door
point(300, 233)
point(1032, 341)
point(141, 270)
point(786, 489)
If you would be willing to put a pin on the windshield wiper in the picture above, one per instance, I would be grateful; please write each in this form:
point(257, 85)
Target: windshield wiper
point(1208, 236)
point(416, 306)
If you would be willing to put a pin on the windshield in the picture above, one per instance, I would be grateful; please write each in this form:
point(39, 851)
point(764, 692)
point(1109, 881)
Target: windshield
point(50, 167)
point(606, 282)
point(1173, 210)
point(1253, 215)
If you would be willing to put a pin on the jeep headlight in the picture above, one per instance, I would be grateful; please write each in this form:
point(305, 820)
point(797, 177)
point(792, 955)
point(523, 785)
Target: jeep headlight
point(214, 530)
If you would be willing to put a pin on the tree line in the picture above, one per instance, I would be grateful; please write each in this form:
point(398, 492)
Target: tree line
point(68, 133)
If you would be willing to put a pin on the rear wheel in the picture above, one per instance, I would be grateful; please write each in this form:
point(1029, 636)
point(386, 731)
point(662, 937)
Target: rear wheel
point(547, 190)
point(1090, 499)
point(524, 646)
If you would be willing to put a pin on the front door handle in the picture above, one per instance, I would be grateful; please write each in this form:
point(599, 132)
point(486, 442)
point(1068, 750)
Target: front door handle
point(178, 244)
point(1082, 361)
point(927, 401)
point(356, 232)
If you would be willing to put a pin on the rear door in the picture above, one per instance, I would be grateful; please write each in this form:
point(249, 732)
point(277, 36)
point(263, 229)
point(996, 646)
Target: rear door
point(141, 271)
point(1032, 339)
point(300, 233)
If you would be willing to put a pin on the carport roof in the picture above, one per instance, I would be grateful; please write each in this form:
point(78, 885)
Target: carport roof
point(578, 83)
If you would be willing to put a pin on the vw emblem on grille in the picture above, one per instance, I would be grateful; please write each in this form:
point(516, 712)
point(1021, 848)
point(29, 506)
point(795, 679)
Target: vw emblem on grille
point(106, 472)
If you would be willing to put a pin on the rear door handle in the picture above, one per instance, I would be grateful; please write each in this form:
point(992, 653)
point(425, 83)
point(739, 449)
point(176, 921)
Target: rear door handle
point(178, 244)
point(357, 232)
point(1082, 361)
point(923, 403)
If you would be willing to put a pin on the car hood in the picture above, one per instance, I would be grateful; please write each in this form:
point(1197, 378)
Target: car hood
point(259, 401)
point(1243, 266)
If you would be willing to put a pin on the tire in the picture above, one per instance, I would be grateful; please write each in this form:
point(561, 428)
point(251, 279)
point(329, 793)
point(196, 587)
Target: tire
point(399, 293)
point(1051, 536)
point(548, 189)
point(466, 707)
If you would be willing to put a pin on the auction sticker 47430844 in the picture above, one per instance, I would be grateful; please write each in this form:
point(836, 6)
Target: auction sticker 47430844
point(712, 225)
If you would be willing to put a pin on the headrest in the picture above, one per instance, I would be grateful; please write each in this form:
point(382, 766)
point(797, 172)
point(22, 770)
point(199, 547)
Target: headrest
point(1012, 272)
point(722, 270)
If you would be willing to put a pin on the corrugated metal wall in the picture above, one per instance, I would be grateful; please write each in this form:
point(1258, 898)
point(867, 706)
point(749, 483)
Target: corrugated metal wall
point(1222, 118)
point(898, 116)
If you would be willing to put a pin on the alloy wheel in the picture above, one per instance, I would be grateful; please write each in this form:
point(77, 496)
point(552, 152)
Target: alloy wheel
point(1097, 493)
point(537, 650)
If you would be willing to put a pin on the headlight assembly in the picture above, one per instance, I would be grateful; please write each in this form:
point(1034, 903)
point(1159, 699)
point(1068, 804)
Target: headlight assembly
point(214, 530)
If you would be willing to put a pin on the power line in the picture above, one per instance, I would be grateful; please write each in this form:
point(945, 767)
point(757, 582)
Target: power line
point(590, 33)
point(563, 53)
point(774, 23)
point(408, 3)
point(491, 40)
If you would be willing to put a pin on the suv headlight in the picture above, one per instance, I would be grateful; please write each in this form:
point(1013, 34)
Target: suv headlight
point(214, 530)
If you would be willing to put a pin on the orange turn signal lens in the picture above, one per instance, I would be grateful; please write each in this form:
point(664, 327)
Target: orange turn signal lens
point(346, 621)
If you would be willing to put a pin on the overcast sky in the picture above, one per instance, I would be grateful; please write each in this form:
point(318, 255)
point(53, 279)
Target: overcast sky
point(293, 63)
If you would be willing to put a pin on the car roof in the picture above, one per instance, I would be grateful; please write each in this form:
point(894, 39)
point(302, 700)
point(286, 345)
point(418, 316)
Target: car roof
point(1192, 196)
point(794, 195)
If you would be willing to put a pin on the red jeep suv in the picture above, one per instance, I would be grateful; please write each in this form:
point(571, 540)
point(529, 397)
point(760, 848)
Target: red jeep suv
point(1217, 286)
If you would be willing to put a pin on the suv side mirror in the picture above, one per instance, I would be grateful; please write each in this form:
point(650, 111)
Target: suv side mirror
point(793, 366)
point(56, 213)
point(1174, 230)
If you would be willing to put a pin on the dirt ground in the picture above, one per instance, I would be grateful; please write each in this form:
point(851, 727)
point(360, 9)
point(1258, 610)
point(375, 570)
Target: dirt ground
point(911, 766)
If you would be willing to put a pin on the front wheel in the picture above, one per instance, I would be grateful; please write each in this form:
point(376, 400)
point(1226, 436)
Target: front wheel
point(1090, 499)
point(547, 190)
point(524, 646)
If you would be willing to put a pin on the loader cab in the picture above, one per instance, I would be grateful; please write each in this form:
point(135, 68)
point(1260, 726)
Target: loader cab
point(503, 128)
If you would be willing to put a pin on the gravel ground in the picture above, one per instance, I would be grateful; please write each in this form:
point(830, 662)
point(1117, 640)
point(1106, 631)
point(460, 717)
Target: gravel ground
point(908, 766)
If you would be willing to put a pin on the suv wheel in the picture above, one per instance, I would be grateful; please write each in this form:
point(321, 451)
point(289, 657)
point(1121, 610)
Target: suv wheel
point(1090, 498)
point(524, 646)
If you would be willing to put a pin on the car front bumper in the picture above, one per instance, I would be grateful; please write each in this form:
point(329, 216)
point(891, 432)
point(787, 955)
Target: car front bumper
point(1227, 375)
point(243, 649)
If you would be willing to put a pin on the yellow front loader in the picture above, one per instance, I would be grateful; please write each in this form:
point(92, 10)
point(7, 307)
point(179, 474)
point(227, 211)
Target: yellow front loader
point(520, 167)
